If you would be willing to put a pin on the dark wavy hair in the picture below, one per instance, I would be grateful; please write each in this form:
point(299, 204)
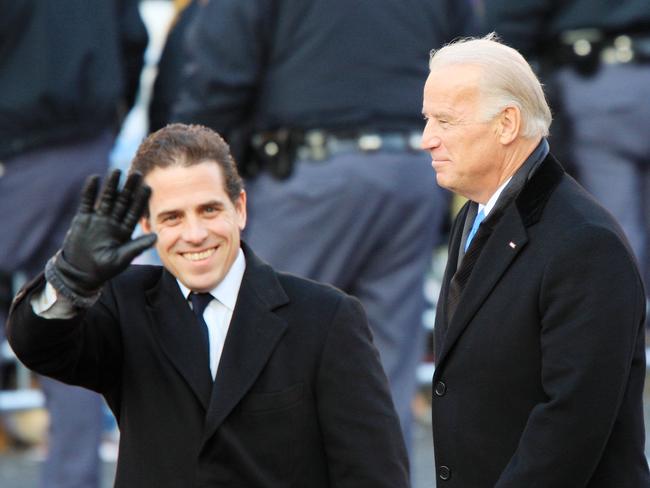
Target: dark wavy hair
point(187, 145)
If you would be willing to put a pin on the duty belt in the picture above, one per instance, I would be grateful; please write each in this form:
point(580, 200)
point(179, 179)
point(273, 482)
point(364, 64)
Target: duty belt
point(586, 49)
point(321, 144)
point(277, 151)
point(318, 145)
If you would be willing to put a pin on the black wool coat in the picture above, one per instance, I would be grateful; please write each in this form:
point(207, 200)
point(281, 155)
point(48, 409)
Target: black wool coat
point(300, 398)
point(539, 372)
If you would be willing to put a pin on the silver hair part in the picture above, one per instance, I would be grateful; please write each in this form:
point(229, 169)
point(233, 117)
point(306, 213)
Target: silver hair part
point(507, 80)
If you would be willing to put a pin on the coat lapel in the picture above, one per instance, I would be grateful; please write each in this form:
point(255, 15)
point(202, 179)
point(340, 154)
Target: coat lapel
point(254, 332)
point(179, 335)
point(442, 319)
point(508, 239)
point(506, 242)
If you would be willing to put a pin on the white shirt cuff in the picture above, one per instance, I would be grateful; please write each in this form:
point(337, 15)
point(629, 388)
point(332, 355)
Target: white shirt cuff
point(49, 305)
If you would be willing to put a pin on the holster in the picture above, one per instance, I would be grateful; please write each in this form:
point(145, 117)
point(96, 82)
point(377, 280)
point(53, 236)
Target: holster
point(275, 151)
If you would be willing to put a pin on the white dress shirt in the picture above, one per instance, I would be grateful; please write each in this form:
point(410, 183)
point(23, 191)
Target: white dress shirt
point(218, 313)
point(487, 208)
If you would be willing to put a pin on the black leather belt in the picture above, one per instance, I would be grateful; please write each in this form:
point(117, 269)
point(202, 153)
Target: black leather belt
point(277, 151)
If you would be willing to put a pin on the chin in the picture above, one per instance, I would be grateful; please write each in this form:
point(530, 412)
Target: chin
point(199, 284)
point(442, 181)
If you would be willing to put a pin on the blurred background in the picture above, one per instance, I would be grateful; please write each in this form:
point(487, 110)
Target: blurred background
point(152, 62)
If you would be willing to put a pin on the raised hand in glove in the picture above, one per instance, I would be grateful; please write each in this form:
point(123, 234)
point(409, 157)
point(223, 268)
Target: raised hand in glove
point(98, 245)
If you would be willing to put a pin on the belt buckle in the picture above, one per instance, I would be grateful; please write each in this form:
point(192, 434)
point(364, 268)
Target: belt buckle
point(316, 144)
point(369, 142)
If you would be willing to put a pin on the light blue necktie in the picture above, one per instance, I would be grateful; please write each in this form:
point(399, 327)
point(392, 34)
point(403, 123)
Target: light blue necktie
point(477, 221)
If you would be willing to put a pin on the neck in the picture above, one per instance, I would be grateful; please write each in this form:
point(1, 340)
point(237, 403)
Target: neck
point(514, 157)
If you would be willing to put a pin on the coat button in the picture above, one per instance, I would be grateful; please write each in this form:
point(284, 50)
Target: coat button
point(444, 473)
point(440, 388)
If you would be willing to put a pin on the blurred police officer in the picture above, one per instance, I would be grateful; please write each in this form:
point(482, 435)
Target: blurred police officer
point(596, 54)
point(169, 77)
point(67, 69)
point(320, 101)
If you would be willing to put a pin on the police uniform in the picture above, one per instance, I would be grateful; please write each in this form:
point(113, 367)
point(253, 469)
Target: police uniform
point(596, 55)
point(328, 93)
point(65, 71)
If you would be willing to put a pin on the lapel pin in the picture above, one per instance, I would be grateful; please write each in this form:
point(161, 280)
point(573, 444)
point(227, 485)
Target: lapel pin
point(512, 245)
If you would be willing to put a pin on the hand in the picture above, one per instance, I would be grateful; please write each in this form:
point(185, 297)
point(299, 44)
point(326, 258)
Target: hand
point(98, 245)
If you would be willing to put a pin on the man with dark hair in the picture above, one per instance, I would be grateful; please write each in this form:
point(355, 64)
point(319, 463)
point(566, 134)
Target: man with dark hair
point(220, 370)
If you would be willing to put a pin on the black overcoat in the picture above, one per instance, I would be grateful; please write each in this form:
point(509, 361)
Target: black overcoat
point(539, 372)
point(300, 398)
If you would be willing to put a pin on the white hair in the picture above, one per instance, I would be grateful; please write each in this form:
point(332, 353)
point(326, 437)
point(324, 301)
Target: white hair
point(507, 80)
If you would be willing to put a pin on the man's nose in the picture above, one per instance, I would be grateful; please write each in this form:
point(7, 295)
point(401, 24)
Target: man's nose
point(429, 138)
point(194, 231)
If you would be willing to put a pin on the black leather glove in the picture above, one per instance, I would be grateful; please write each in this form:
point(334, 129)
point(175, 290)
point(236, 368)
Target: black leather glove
point(98, 245)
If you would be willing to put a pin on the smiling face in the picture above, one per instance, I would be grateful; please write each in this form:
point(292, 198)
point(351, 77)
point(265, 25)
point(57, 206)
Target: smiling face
point(465, 150)
point(197, 224)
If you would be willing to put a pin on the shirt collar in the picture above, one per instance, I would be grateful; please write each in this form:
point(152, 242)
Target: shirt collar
point(227, 290)
point(493, 199)
point(536, 157)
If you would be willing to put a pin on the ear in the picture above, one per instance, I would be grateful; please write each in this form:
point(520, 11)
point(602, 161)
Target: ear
point(240, 207)
point(509, 125)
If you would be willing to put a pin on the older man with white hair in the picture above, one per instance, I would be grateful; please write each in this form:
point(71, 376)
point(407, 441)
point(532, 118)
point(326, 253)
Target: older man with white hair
point(539, 336)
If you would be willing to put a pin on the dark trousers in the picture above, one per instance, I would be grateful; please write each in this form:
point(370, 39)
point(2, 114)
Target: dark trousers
point(366, 222)
point(609, 114)
point(39, 194)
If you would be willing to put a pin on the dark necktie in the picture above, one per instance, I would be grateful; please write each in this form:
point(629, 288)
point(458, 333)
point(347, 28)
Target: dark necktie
point(460, 278)
point(199, 302)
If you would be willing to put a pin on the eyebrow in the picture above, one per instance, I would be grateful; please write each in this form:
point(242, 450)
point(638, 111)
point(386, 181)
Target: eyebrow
point(201, 206)
point(167, 213)
point(441, 115)
point(212, 203)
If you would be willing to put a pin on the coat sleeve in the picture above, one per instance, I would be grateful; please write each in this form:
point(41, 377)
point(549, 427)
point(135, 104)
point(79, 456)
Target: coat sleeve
point(84, 350)
point(592, 308)
point(361, 432)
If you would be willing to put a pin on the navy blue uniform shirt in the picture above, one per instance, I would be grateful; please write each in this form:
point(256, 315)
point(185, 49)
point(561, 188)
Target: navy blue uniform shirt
point(332, 64)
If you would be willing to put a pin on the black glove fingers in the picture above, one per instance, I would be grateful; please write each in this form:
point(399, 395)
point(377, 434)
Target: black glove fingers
point(136, 209)
point(125, 197)
point(108, 193)
point(130, 250)
point(89, 194)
